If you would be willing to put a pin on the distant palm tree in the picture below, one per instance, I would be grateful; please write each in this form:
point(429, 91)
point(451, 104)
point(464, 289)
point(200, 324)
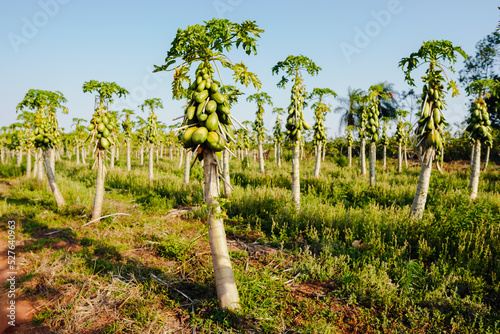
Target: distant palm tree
point(350, 107)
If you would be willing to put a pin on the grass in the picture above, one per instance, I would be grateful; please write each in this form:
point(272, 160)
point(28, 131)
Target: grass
point(296, 272)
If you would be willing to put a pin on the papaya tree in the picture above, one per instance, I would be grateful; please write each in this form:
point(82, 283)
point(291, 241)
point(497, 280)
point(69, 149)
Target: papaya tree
point(46, 133)
point(113, 148)
point(384, 140)
point(479, 126)
point(320, 111)
point(207, 122)
point(101, 132)
point(350, 141)
point(28, 119)
point(258, 126)
point(278, 135)
point(362, 133)
point(79, 138)
point(400, 136)
point(293, 66)
point(128, 126)
point(376, 93)
point(429, 130)
point(151, 130)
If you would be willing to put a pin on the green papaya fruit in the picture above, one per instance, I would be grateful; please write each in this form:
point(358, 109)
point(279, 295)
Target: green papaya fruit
point(218, 97)
point(190, 112)
point(186, 137)
point(212, 122)
point(211, 106)
point(199, 136)
point(201, 96)
point(104, 143)
point(101, 127)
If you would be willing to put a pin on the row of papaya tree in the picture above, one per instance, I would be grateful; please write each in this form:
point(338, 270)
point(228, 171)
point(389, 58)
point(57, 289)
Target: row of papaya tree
point(209, 132)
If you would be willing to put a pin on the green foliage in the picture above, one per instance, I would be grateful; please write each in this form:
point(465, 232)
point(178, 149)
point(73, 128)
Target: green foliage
point(258, 126)
point(152, 135)
point(320, 111)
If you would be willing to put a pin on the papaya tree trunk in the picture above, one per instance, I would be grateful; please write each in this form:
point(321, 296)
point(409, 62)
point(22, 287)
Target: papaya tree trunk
point(317, 166)
point(225, 173)
point(261, 157)
point(2, 155)
point(39, 162)
point(324, 151)
point(77, 154)
point(362, 157)
point(385, 157)
point(296, 174)
point(279, 155)
point(129, 149)
point(187, 166)
point(35, 165)
point(52, 159)
point(181, 157)
point(19, 157)
point(170, 153)
point(157, 155)
point(141, 153)
point(400, 158)
point(151, 152)
point(373, 158)
point(275, 151)
point(349, 156)
point(406, 157)
point(227, 292)
point(487, 158)
point(51, 177)
point(99, 185)
point(117, 153)
point(112, 160)
point(475, 170)
point(84, 154)
point(28, 163)
point(418, 206)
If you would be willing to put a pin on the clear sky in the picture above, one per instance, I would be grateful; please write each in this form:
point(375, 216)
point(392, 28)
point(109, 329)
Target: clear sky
point(60, 44)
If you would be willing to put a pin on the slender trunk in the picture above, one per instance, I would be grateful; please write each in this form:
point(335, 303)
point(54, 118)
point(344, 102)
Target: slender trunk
point(418, 206)
point(254, 155)
point(317, 166)
point(296, 175)
point(385, 157)
point(77, 154)
point(170, 153)
point(349, 155)
point(28, 163)
point(406, 157)
point(2, 155)
point(141, 153)
point(47, 155)
point(225, 173)
point(52, 159)
point(84, 154)
point(39, 162)
point(129, 165)
point(181, 157)
point(117, 153)
point(99, 186)
point(373, 158)
point(261, 157)
point(362, 158)
point(324, 151)
point(187, 166)
point(302, 154)
point(275, 151)
point(35, 165)
point(151, 152)
point(227, 292)
point(472, 153)
point(400, 158)
point(487, 158)
point(112, 160)
point(475, 170)
point(161, 151)
point(279, 155)
point(157, 155)
point(19, 157)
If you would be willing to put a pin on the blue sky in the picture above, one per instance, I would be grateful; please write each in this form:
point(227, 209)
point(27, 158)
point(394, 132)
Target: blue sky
point(60, 44)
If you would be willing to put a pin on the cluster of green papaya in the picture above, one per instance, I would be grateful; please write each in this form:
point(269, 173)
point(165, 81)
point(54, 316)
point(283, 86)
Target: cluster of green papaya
point(384, 139)
point(152, 134)
point(277, 133)
point(207, 114)
point(349, 137)
point(295, 122)
point(400, 132)
point(103, 127)
point(431, 123)
point(479, 124)
point(372, 121)
point(319, 127)
point(259, 124)
point(45, 134)
point(127, 126)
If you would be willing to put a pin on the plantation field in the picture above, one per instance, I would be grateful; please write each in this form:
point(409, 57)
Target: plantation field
point(350, 262)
